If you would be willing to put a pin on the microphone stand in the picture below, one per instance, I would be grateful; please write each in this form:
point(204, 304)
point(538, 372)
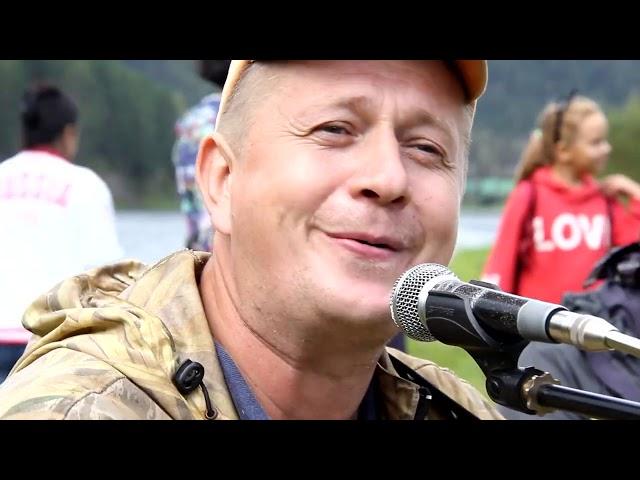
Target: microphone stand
point(527, 390)
point(533, 391)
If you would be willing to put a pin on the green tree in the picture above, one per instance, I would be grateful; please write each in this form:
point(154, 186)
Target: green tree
point(625, 138)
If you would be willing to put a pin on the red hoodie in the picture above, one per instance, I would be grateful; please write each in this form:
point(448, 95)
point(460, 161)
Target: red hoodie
point(570, 229)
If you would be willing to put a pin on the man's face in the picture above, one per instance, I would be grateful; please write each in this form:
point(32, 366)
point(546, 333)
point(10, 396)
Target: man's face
point(350, 173)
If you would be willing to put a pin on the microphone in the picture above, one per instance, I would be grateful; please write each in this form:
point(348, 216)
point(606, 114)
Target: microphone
point(429, 302)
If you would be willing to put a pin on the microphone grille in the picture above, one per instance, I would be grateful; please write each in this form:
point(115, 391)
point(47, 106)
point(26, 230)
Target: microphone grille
point(404, 299)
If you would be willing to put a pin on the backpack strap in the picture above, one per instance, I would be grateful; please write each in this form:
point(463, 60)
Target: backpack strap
point(525, 245)
point(609, 202)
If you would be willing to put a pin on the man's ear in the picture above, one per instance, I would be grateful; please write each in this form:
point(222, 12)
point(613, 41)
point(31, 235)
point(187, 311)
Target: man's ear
point(214, 171)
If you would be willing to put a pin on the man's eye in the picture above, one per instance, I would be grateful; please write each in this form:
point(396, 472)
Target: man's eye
point(427, 148)
point(335, 129)
point(428, 154)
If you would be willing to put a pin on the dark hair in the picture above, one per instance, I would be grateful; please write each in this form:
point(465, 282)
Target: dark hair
point(45, 112)
point(214, 71)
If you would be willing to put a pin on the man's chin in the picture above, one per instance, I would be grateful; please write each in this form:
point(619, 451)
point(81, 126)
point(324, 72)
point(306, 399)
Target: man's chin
point(371, 302)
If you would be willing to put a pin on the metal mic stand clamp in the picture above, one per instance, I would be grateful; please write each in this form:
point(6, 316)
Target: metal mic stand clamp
point(509, 385)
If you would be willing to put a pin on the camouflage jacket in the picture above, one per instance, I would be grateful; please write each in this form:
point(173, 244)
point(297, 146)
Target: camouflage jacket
point(107, 343)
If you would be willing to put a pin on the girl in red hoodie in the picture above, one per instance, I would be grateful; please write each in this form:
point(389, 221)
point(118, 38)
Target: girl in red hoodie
point(558, 221)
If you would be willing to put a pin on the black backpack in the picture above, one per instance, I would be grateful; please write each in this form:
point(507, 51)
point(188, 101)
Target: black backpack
point(617, 300)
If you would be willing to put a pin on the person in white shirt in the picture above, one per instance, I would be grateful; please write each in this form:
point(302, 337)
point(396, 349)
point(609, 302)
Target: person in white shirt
point(57, 219)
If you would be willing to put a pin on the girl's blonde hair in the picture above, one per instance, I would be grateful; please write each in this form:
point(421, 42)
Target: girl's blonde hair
point(559, 121)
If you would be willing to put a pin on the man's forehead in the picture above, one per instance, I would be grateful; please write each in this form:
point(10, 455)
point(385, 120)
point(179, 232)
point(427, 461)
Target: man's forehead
point(410, 89)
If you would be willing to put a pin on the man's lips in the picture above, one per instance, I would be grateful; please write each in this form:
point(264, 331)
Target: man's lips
point(370, 245)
